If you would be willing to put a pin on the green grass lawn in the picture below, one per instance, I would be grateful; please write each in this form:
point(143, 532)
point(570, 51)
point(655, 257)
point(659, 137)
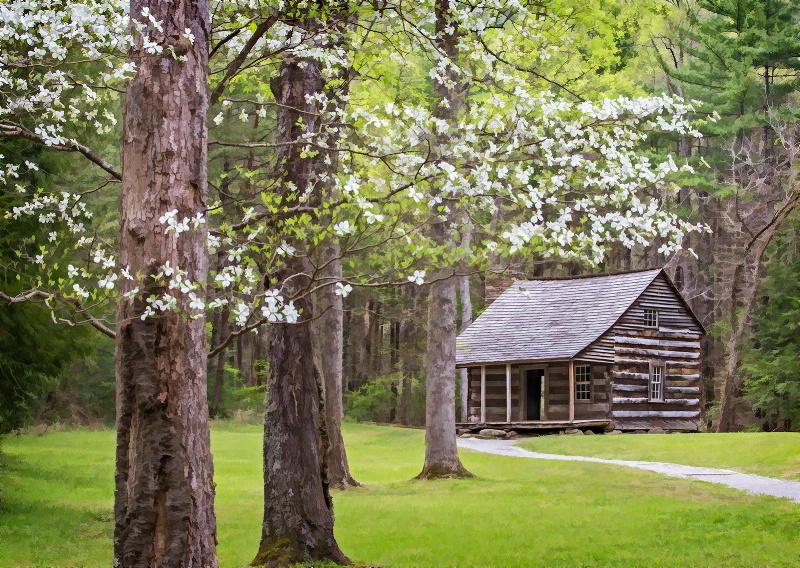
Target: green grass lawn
point(58, 508)
point(775, 454)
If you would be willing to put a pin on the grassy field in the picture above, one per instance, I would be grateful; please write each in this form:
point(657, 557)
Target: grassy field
point(773, 454)
point(58, 508)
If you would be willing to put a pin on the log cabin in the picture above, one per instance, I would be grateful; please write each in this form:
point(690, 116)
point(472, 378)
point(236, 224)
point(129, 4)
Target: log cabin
point(619, 351)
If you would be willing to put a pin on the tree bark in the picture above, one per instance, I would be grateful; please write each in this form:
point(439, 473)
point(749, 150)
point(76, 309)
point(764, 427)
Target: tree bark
point(441, 450)
point(298, 510)
point(466, 321)
point(164, 493)
point(328, 336)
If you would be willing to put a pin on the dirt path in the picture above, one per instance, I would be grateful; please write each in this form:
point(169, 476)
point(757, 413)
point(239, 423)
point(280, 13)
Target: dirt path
point(743, 481)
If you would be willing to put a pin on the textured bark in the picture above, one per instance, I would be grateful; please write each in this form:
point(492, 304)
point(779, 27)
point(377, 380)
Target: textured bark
point(466, 321)
point(441, 451)
point(298, 511)
point(328, 335)
point(164, 494)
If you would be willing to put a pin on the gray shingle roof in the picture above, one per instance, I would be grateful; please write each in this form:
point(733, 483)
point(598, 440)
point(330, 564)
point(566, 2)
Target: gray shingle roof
point(535, 320)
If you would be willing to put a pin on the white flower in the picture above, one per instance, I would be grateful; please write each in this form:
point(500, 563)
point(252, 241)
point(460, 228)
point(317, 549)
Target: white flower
point(290, 313)
point(224, 279)
point(285, 249)
point(343, 289)
point(107, 282)
point(218, 119)
point(418, 277)
point(80, 291)
point(196, 303)
point(241, 312)
point(72, 272)
point(343, 228)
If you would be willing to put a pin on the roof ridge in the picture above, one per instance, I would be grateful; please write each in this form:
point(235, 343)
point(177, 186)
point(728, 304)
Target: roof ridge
point(587, 276)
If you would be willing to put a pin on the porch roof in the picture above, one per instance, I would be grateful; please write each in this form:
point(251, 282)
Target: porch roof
point(537, 320)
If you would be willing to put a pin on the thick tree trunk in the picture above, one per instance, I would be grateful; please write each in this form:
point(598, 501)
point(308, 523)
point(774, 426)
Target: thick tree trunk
point(164, 494)
point(328, 335)
point(441, 450)
point(298, 511)
point(466, 321)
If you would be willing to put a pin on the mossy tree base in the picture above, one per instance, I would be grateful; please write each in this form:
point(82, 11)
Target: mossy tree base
point(282, 552)
point(442, 472)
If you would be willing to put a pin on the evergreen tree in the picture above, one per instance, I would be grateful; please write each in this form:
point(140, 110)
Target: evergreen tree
point(772, 367)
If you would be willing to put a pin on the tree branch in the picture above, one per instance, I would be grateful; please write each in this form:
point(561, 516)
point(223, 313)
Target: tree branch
point(11, 130)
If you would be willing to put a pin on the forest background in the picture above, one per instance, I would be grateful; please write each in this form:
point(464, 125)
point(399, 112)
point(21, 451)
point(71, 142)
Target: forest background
point(737, 60)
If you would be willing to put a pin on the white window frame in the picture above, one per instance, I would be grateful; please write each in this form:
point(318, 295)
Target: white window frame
point(583, 372)
point(655, 388)
point(645, 318)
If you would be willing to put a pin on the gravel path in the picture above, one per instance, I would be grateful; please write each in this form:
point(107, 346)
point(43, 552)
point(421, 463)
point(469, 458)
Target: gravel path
point(742, 481)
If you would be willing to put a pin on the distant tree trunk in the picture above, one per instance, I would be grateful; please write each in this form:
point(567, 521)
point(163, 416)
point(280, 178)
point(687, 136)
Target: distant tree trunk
point(408, 353)
point(164, 491)
point(298, 510)
point(441, 450)
point(359, 340)
point(219, 371)
point(328, 335)
point(744, 287)
point(375, 340)
point(394, 359)
point(249, 350)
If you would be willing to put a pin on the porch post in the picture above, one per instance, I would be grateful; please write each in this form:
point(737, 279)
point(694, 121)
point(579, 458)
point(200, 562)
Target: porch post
point(483, 394)
point(508, 392)
point(571, 390)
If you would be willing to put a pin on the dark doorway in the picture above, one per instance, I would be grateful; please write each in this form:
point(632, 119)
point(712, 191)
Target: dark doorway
point(533, 388)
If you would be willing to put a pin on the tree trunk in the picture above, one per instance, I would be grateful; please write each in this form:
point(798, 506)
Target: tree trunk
point(164, 492)
point(441, 450)
point(741, 310)
point(219, 371)
point(298, 510)
point(466, 321)
point(328, 336)
point(408, 352)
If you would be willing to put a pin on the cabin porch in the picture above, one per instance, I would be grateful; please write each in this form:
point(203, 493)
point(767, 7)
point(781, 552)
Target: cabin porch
point(540, 395)
point(537, 426)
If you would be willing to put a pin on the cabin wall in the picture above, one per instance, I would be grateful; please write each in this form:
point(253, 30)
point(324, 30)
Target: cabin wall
point(675, 345)
point(558, 386)
point(495, 393)
point(680, 354)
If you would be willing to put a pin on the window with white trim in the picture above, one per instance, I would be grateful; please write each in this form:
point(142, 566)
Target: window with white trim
point(583, 382)
point(650, 318)
point(656, 382)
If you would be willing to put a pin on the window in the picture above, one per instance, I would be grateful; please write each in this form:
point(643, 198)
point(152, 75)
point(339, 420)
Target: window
point(650, 318)
point(656, 382)
point(583, 382)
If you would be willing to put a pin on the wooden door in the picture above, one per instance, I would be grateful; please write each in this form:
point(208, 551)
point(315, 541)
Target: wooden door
point(533, 390)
